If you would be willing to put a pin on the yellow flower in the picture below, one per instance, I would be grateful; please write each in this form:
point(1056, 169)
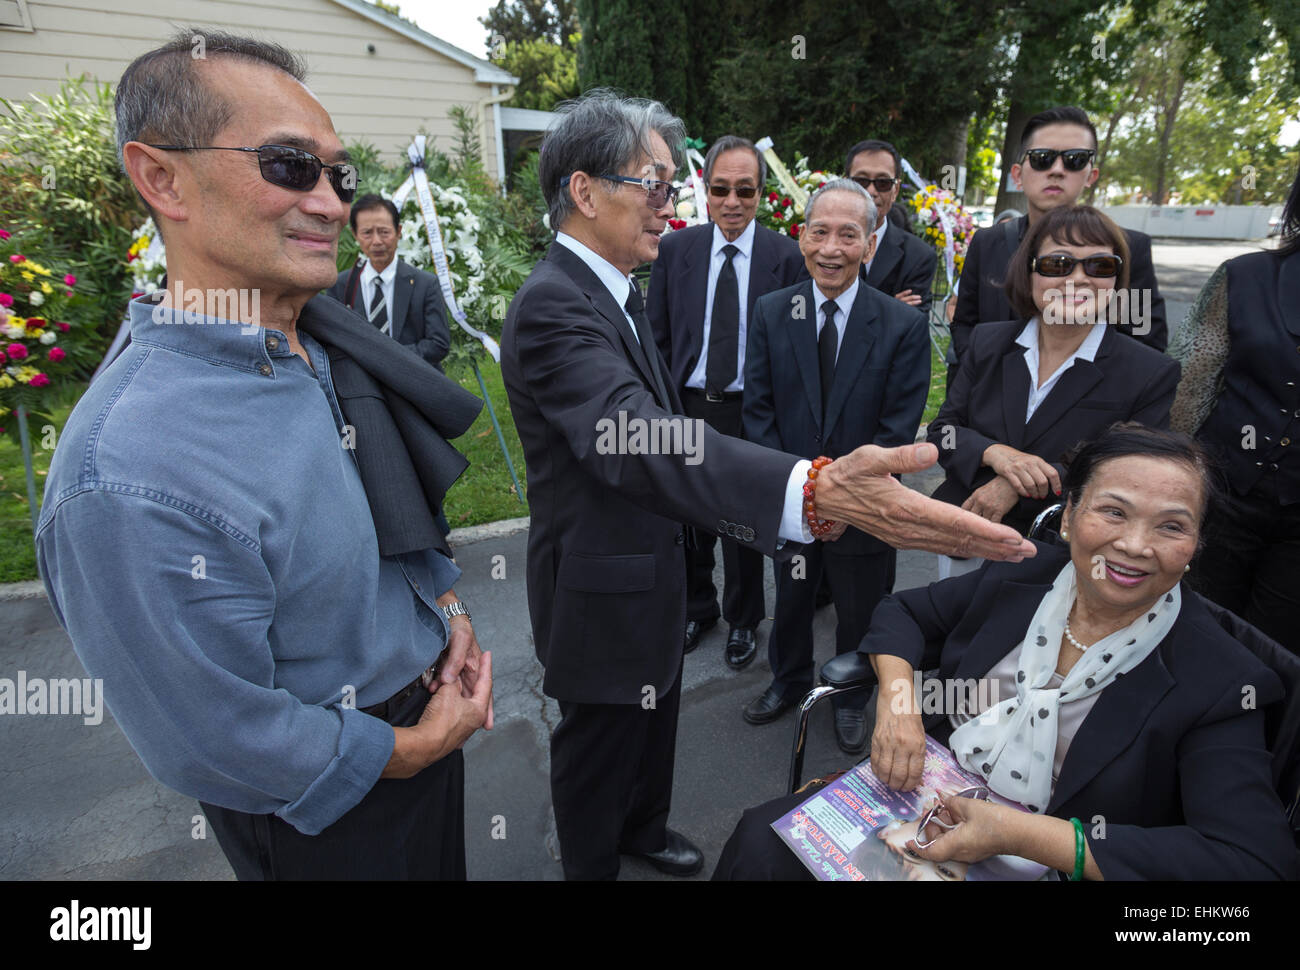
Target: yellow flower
point(6, 381)
point(47, 289)
point(38, 268)
point(28, 276)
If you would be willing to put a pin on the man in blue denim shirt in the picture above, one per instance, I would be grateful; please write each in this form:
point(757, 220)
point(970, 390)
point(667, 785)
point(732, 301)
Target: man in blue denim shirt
point(205, 537)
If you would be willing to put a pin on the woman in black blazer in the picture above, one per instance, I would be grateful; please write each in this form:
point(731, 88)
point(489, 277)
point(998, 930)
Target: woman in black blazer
point(1240, 351)
point(1002, 464)
point(1156, 754)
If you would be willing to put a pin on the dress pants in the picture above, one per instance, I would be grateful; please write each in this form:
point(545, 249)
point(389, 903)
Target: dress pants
point(742, 568)
point(612, 781)
point(1251, 562)
point(404, 828)
point(858, 583)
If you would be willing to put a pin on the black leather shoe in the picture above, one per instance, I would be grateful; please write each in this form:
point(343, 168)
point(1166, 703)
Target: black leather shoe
point(765, 709)
point(850, 730)
point(679, 857)
point(741, 647)
point(694, 630)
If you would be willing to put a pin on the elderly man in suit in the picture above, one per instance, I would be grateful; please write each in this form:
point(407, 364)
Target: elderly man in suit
point(398, 299)
point(702, 292)
point(610, 510)
point(903, 265)
point(832, 365)
point(1055, 165)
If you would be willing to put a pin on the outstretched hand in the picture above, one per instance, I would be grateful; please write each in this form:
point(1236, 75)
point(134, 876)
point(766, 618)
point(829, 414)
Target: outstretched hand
point(859, 489)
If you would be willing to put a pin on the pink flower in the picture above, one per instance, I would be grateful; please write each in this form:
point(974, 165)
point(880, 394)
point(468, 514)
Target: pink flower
point(57, 354)
point(17, 258)
point(6, 300)
point(63, 326)
point(70, 280)
point(16, 351)
point(40, 380)
point(67, 293)
point(3, 358)
point(3, 234)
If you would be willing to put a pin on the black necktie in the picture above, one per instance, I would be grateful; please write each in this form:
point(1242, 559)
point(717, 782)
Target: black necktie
point(724, 328)
point(379, 306)
point(828, 341)
point(635, 307)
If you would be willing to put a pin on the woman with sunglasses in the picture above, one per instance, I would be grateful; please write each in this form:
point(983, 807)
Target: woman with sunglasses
point(1240, 351)
point(1118, 720)
point(1029, 389)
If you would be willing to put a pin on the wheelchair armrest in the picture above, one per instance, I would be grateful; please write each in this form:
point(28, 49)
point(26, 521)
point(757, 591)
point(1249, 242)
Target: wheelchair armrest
point(848, 670)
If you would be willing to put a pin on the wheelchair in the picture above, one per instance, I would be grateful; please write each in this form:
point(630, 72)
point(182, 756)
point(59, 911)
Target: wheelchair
point(852, 672)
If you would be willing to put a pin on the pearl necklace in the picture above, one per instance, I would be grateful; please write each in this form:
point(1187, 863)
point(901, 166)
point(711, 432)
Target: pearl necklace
point(1070, 636)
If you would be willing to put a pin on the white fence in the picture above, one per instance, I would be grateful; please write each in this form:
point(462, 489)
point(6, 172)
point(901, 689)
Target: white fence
point(1197, 221)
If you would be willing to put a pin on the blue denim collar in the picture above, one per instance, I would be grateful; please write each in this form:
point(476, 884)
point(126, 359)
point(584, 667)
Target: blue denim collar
point(244, 347)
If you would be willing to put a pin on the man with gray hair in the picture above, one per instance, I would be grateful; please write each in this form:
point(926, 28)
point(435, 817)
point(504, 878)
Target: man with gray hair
point(833, 364)
point(701, 298)
point(608, 529)
point(267, 631)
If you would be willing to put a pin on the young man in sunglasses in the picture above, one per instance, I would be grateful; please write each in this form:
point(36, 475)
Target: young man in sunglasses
point(212, 539)
point(702, 292)
point(903, 265)
point(397, 299)
point(1056, 163)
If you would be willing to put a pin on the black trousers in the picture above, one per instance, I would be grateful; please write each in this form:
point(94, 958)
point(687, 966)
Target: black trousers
point(743, 604)
point(1251, 562)
point(858, 584)
point(405, 828)
point(755, 852)
point(612, 781)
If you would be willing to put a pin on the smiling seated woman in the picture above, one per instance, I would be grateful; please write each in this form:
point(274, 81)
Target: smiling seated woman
point(1120, 697)
point(1029, 389)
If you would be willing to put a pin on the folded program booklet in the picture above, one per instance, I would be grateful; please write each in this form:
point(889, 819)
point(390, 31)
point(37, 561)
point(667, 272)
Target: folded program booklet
point(857, 827)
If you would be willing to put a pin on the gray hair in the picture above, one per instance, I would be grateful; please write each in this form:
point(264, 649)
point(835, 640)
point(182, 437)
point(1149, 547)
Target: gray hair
point(162, 98)
point(844, 185)
point(601, 133)
point(727, 143)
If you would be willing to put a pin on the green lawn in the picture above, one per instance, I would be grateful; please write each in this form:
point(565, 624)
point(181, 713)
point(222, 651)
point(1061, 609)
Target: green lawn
point(484, 493)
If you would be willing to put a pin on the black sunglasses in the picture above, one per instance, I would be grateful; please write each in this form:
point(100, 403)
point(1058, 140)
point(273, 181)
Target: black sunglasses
point(289, 168)
point(742, 191)
point(1076, 159)
point(1102, 267)
point(882, 184)
point(658, 192)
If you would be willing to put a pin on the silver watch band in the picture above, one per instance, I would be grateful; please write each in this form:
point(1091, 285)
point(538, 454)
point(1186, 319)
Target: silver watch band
point(456, 609)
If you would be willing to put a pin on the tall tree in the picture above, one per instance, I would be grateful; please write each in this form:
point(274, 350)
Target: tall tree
point(517, 21)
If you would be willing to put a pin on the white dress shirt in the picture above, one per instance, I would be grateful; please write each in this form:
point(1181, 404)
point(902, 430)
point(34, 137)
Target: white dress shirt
point(1029, 340)
point(742, 262)
point(880, 238)
point(844, 302)
point(388, 277)
point(792, 528)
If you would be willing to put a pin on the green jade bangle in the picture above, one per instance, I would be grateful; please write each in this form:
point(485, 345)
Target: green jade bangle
point(1079, 846)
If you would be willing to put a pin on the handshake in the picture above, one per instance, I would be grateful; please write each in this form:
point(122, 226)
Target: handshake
point(860, 490)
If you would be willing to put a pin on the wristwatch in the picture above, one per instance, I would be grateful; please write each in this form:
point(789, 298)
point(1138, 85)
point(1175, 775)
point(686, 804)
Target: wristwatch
point(456, 609)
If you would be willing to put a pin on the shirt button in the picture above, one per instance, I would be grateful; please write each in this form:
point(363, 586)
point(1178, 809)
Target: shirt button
point(1285, 442)
point(264, 370)
point(272, 343)
point(680, 539)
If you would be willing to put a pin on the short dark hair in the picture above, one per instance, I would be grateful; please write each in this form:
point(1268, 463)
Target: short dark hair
point(372, 201)
point(874, 145)
point(1290, 227)
point(1126, 438)
point(1064, 115)
point(1071, 225)
point(729, 143)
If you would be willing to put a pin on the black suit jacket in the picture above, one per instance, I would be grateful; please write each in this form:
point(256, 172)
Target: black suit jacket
point(903, 262)
point(679, 284)
point(981, 298)
point(1169, 758)
point(882, 376)
point(419, 315)
point(987, 400)
point(606, 563)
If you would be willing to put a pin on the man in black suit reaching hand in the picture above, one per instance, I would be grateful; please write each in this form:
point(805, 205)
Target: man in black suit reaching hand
point(702, 292)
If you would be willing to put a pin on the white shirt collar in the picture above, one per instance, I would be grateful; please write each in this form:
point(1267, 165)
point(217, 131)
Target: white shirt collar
point(619, 286)
point(844, 301)
point(388, 275)
point(1087, 350)
point(880, 235)
point(744, 242)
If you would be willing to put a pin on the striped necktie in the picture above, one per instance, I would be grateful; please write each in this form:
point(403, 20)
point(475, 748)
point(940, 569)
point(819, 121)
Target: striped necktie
point(379, 307)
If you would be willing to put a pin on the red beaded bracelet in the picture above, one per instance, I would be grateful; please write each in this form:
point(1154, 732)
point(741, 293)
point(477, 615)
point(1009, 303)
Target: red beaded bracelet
point(818, 527)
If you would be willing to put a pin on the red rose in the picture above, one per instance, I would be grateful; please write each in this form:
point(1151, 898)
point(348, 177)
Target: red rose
point(786, 202)
point(57, 354)
point(794, 231)
point(35, 323)
point(130, 257)
point(772, 197)
point(677, 223)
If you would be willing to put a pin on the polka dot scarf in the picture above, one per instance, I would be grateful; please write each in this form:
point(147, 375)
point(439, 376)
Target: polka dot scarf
point(1013, 743)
